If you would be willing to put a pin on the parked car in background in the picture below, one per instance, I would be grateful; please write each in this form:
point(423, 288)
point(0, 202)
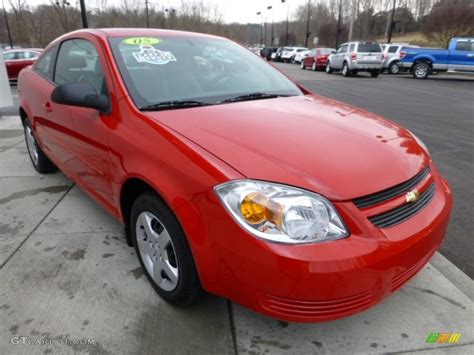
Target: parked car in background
point(317, 58)
point(276, 56)
point(300, 56)
point(353, 57)
point(17, 59)
point(289, 53)
point(267, 52)
point(424, 61)
point(392, 56)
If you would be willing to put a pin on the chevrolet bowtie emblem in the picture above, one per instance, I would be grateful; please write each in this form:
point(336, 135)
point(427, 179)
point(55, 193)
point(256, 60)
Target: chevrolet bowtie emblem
point(412, 195)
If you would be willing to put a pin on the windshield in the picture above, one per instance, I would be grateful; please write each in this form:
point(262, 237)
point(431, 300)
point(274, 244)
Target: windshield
point(205, 70)
point(324, 51)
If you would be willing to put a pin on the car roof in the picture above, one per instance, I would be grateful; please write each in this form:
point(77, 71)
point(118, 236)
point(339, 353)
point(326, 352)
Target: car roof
point(139, 32)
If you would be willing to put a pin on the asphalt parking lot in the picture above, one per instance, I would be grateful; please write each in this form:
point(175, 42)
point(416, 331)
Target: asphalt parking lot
point(67, 273)
point(439, 110)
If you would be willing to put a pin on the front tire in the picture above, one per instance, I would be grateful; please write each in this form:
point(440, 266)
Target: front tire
point(40, 161)
point(163, 251)
point(421, 70)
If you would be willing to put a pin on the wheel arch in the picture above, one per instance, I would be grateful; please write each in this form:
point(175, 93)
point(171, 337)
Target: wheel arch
point(129, 191)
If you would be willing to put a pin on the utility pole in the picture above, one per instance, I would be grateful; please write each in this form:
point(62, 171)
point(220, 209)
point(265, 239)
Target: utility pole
point(146, 14)
point(392, 23)
point(307, 24)
point(339, 18)
point(83, 14)
point(7, 25)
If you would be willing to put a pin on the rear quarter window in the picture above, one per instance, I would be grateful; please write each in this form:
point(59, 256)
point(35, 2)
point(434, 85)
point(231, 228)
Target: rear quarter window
point(45, 65)
point(369, 48)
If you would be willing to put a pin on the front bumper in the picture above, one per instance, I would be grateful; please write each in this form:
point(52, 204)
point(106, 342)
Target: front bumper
point(315, 282)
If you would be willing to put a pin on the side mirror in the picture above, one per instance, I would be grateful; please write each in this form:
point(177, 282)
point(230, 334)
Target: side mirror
point(332, 52)
point(81, 95)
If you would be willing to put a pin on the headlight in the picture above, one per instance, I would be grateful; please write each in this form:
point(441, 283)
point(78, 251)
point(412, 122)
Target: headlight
point(281, 213)
point(420, 142)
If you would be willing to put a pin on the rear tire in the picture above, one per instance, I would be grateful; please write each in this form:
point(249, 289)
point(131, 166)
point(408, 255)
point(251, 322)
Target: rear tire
point(40, 161)
point(394, 68)
point(421, 70)
point(374, 74)
point(302, 66)
point(314, 67)
point(163, 251)
point(345, 70)
point(328, 68)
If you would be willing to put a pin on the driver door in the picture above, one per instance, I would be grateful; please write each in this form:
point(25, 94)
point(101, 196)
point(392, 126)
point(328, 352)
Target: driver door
point(87, 138)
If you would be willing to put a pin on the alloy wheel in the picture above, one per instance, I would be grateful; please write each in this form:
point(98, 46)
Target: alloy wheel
point(157, 251)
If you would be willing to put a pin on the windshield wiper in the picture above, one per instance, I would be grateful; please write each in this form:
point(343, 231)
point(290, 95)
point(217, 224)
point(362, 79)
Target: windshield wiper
point(175, 104)
point(253, 96)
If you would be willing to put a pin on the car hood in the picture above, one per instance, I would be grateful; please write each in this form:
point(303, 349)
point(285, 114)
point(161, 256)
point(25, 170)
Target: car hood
point(306, 141)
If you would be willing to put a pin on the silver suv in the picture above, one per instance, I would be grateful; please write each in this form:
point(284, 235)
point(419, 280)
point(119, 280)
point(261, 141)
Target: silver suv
point(354, 57)
point(392, 56)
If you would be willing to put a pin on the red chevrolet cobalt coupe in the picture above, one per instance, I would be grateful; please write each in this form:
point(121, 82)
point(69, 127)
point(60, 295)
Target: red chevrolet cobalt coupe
point(231, 178)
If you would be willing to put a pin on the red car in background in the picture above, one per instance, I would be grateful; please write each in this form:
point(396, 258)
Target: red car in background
point(316, 59)
point(17, 59)
point(230, 177)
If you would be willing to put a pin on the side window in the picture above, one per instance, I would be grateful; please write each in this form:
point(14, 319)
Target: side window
point(463, 46)
point(10, 55)
point(393, 49)
point(78, 62)
point(31, 55)
point(344, 48)
point(45, 65)
point(351, 47)
point(21, 55)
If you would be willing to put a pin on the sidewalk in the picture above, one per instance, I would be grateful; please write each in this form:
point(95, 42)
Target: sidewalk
point(66, 272)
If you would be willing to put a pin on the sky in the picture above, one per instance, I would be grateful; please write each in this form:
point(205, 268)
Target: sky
point(242, 11)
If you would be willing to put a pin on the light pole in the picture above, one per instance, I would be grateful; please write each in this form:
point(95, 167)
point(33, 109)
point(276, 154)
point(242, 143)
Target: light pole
point(261, 27)
point(287, 19)
point(171, 12)
point(273, 23)
point(307, 24)
point(392, 23)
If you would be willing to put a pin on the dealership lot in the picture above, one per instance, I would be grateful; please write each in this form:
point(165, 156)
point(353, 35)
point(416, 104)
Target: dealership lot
point(67, 272)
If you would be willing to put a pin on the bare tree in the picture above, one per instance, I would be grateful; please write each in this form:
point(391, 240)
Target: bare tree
point(450, 18)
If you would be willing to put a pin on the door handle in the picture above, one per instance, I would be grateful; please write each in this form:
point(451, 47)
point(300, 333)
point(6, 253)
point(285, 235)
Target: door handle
point(47, 107)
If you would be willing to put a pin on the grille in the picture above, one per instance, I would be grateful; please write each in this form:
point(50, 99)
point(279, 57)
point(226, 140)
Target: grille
point(400, 214)
point(387, 194)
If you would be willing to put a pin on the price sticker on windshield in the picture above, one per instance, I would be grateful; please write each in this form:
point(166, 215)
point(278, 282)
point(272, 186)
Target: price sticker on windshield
point(141, 41)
